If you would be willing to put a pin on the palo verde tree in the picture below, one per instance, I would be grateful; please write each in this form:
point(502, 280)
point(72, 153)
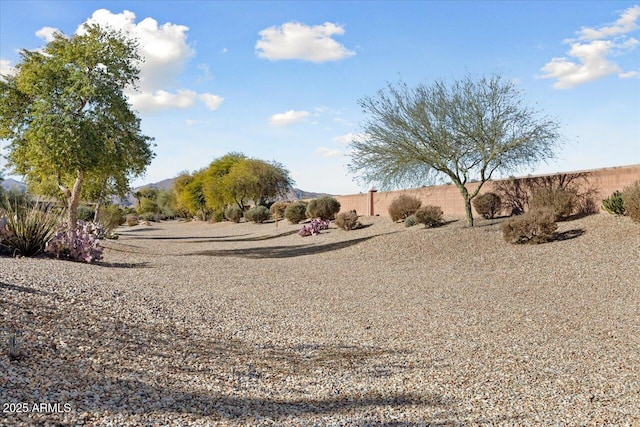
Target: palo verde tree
point(67, 118)
point(466, 130)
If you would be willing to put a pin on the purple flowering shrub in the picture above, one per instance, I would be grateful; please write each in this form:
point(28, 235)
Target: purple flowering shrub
point(85, 246)
point(314, 227)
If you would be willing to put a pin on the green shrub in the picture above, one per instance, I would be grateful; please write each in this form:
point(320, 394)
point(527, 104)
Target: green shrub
point(347, 220)
point(410, 221)
point(131, 219)
point(258, 214)
point(325, 208)
point(217, 216)
point(296, 212)
point(110, 217)
point(488, 205)
point(147, 206)
point(535, 226)
point(26, 230)
point(562, 202)
point(149, 217)
point(403, 206)
point(233, 213)
point(85, 213)
point(430, 216)
point(278, 208)
point(631, 196)
point(614, 204)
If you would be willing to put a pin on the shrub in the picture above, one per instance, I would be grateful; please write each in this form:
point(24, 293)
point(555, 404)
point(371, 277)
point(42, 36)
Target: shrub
point(26, 230)
point(258, 214)
point(147, 206)
point(562, 202)
point(347, 220)
point(110, 217)
point(296, 212)
point(430, 216)
point(410, 221)
point(614, 204)
point(314, 227)
point(278, 208)
point(535, 226)
point(149, 217)
point(217, 215)
point(132, 219)
point(488, 205)
point(83, 246)
point(233, 213)
point(85, 213)
point(631, 196)
point(403, 206)
point(325, 207)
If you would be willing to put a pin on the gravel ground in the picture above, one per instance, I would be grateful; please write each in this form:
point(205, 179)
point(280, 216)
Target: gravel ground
point(246, 324)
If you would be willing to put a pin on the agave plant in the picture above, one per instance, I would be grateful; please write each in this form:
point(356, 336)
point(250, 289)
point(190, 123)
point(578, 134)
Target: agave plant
point(26, 230)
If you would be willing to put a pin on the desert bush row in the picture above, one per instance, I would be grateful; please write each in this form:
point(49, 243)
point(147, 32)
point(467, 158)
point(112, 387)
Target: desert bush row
point(626, 202)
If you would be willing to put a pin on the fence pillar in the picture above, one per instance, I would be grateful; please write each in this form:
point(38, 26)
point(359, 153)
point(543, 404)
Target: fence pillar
point(370, 210)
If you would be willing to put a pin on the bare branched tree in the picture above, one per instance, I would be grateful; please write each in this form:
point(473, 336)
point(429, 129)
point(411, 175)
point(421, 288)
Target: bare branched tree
point(467, 131)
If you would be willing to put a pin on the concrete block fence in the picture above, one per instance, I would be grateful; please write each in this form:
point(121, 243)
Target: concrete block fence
point(605, 180)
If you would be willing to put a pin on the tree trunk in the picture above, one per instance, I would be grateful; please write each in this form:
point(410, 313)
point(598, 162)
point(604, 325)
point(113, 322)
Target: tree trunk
point(96, 215)
point(74, 200)
point(467, 203)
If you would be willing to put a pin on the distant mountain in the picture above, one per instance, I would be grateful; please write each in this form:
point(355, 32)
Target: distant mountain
point(165, 184)
point(10, 183)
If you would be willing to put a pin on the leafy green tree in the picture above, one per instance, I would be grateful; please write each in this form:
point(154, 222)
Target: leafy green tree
point(215, 188)
point(67, 118)
point(189, 189)
point(466, 131)
point(256, 180)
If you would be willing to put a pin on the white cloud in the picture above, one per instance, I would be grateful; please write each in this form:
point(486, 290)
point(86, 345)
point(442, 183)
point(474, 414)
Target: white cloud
point(211, 101)
point(294, 40)
point(288, 118)
point(625, 24)
point(46, 33)
point(6, 68)
point(350, 137)
point(329, 152)
point(165, 51)
point(590, 54)
point(163, 100)
point(628, 74)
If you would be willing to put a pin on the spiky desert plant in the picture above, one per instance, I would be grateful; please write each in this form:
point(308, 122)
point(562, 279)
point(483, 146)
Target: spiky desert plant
point(28, 229)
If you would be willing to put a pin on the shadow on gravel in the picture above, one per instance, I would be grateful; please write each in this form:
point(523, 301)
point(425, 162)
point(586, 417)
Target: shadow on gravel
point(569, 234)
point(250, 239)
point(209, 239)
point(115, 372)
point(23, 289)
point(280, 251)
point(124, 264)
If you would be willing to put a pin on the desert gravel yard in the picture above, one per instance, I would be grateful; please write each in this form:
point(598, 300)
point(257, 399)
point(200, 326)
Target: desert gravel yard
point(247, 324)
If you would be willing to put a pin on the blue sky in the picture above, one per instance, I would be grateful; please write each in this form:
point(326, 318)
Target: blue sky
point(281, 80)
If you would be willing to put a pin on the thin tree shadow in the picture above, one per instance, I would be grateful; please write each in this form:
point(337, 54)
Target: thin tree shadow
point(250, 239)
point(209, 239)
point(280, 251)
point(568, 235)
point(23, 289)
point(143, 264)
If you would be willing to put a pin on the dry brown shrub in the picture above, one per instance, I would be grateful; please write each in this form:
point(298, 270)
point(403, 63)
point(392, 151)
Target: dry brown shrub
point(631, 197)
point(347, 220)
point(562, 202)
point(277, 209)
point(488, 205)
point(430, 216)
point(403, 206)
point(536, 226)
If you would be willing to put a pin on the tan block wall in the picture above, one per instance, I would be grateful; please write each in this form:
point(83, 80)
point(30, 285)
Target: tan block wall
point(448, 197)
